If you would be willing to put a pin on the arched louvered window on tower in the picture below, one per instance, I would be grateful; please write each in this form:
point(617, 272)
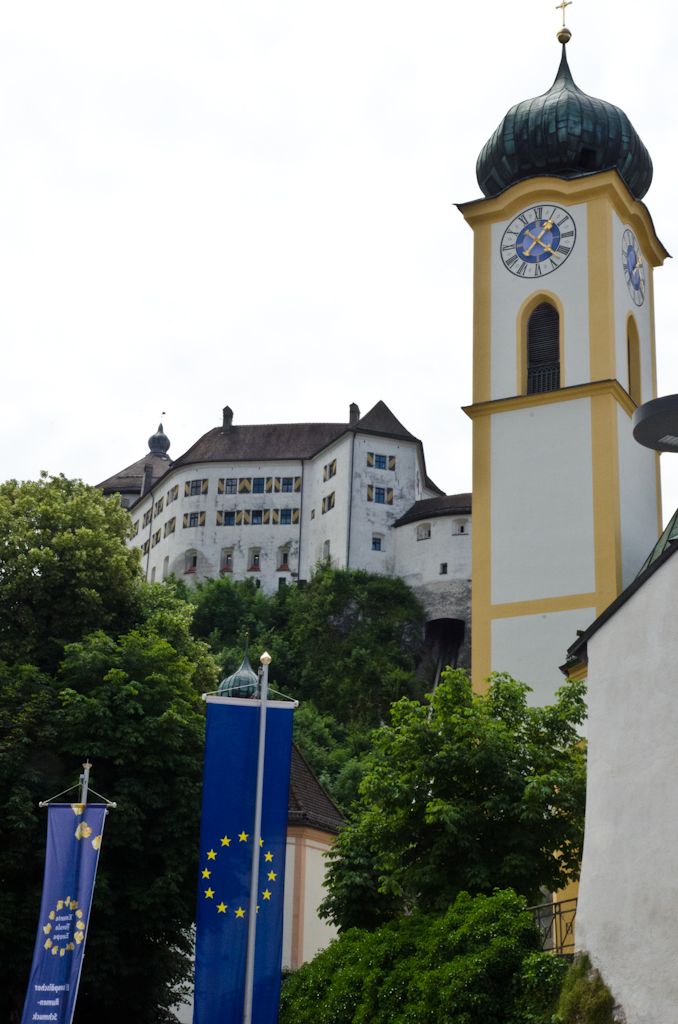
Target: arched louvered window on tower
point(543, 349)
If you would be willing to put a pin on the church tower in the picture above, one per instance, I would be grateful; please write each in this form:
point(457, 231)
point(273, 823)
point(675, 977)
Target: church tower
point(566, 505)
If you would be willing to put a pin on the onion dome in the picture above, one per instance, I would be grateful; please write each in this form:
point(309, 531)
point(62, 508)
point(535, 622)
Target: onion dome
point(564, 133)
point(158, 443)
point(243, 683)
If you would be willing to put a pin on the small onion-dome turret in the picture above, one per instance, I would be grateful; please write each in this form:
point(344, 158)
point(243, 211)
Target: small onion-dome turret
point(564, 133)
point(159, 443)
point(243, 683)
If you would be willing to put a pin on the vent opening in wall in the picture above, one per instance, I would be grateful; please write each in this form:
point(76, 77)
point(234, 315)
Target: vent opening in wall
point(543, 349)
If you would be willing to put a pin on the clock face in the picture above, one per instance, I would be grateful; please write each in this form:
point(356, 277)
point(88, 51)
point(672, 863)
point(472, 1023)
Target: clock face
point(634, 267)
point(538, 241)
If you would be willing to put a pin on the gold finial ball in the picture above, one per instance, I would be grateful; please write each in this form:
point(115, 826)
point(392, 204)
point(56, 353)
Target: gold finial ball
point(563, 35)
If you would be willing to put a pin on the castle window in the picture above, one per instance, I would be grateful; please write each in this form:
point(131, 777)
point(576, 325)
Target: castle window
point(380, 462)
point(380, 495)
point(258, 485)
point(229, 518)
point(543, 349)
point(255, 560)
point(231, 485)
point(326, 549)
point(285, 516)
point(288, 483)
point(190, 561)
point(195, 487)
point(256, 517)
point(460, 526)
point(284, 561)
point(443, 568)
point(226, 560)
point(424, 531)
point(376, 543)
point(165, 567)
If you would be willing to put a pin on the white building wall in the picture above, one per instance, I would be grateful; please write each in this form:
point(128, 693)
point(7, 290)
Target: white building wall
point(569, 283)
point(626, 916)
point(542, 476)
point(531, 647)
point(419, 561)
point(319, 528)
point(318, 932)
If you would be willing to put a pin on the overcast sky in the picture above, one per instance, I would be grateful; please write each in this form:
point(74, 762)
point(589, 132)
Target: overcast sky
point(253, 203)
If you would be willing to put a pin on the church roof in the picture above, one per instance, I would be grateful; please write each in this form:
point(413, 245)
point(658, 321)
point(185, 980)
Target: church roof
point(243, 683)
point(564, 133)
point(308, 803)
point(431, 508)
point(665, 548)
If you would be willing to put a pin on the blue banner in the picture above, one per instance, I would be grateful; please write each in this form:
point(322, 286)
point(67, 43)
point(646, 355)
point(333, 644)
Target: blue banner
point(73, 840)
point(226, 838)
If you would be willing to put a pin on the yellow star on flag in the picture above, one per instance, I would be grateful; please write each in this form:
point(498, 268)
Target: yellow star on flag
point(261, 842)
point(243, 837)
point(222, 908)
point(240, 912)
point(271, 876)
point(268, 856)
point(206, 873)
point(209, 893)
point(225, 841)
point(211, 855)
point(266, 894)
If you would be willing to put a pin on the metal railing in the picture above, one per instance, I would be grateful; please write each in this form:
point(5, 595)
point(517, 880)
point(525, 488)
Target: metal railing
point(544, 377)
point(555, 921)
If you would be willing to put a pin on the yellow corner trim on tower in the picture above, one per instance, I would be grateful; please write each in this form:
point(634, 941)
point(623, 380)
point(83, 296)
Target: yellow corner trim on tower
point(542, 606)
point(598, 387)
point(568, 191)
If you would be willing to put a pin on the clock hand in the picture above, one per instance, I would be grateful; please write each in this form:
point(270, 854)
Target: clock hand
point(547, 227)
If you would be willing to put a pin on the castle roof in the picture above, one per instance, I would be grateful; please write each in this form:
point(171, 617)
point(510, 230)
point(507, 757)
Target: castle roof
point(431, 508)
point(308, 803)
point(130, 480)
point(566, 133)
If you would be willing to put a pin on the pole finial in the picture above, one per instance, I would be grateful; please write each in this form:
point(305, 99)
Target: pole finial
point(265, 659)
point(563, 34)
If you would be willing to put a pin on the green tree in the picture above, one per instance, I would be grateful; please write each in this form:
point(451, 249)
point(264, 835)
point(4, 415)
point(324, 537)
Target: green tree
point(357, 636)
point(466, 794)
point(479, 963)
point(132, 705)
point(64, 568)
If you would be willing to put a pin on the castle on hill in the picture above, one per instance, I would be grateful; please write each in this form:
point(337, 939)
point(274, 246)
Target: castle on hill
point(268, 501)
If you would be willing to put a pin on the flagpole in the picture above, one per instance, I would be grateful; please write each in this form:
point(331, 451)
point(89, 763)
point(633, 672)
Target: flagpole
point(254, 883)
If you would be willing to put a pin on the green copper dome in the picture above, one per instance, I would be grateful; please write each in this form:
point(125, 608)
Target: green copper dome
point(567, 134)
point(243, 683)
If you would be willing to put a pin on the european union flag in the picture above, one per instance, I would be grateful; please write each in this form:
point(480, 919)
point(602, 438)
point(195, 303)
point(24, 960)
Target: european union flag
point(73, 841)
point(226, 838)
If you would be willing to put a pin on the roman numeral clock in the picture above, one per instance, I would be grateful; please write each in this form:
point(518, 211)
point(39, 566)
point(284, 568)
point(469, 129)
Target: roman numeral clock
point(538, 241)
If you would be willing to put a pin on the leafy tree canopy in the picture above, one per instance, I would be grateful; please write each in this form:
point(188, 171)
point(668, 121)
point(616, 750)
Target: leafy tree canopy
point(466, 794)
point(64, 568)
point(479, 963)
point(132, 705)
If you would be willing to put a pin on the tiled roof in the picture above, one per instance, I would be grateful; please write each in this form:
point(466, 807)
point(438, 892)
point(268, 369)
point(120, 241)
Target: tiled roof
point(380, 420)
point(129, 481)
point(309, 804)
point(263, 442)
point(430, 508)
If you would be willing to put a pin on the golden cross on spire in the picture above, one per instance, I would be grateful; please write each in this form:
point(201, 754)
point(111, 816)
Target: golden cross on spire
point(563, 4)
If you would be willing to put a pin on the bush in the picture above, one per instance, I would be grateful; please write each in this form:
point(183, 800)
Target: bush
point(479, 963)
point(585, 998)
